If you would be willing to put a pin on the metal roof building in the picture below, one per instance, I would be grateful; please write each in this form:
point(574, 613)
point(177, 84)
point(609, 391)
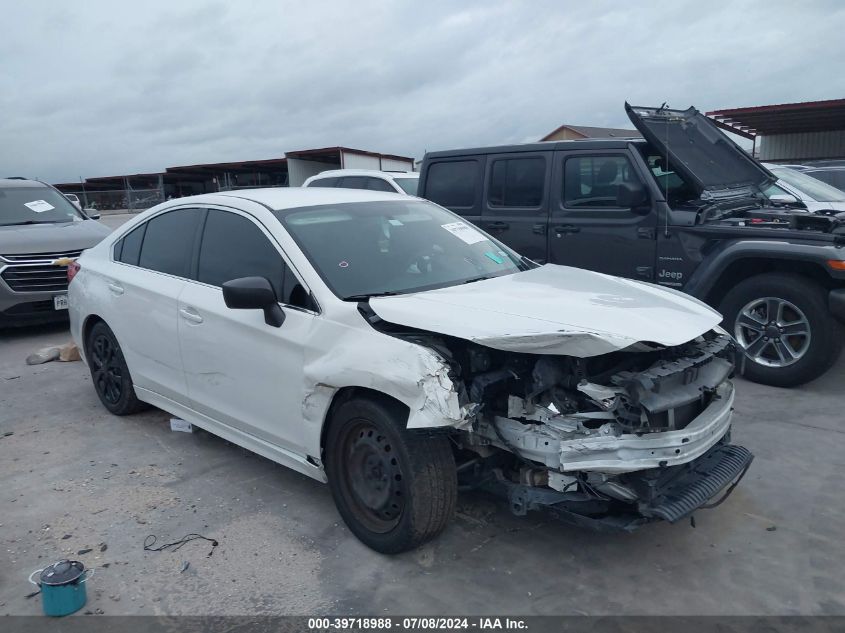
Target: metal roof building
point(789, 132)
point(576, 132)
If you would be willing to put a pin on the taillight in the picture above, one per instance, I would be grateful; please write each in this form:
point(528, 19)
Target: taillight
point(72, 268)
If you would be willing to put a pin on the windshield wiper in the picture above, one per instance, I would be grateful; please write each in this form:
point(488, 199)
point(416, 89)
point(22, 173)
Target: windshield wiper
point(369, 295)
point(474, 279)
point(30, 222)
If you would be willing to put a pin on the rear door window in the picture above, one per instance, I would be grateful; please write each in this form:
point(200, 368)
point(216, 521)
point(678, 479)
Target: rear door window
point(379, 184)
point(593, 181)
point(168, 242)
point(452, 184)
point(517, 182)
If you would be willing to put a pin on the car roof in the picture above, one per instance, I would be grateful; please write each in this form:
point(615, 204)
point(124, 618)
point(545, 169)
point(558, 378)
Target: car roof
point(543, 146)
point(280, 198)
point(365, 172)
point(20, 182)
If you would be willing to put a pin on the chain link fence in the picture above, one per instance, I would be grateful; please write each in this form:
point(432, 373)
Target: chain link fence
point(121, 199)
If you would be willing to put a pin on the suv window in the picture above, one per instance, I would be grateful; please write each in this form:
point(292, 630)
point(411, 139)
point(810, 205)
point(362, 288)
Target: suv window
point(324, 182)
point(353, 182)
point(128, 249)
point(378, 184)
point(168, 242)
point(517, 182)
point(593, 181)
point(452, 184)
point(233, 247)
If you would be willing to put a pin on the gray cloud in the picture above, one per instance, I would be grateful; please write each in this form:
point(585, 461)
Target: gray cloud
point(101, 88)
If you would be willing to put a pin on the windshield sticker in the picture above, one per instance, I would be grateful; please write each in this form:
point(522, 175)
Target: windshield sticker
point(494, 257)
point(464, 232)
point(39, 206)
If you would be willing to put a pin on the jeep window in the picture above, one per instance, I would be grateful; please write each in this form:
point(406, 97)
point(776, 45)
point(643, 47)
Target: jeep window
point(35, 205)
point(517, 182)
point(394, 247)
point(673, 186)
point(808, 184)
point(452, 183)
point(409, 185)
point(593, 181)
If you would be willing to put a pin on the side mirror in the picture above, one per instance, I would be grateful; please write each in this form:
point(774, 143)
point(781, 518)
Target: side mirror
point(783, 198)
point(254, 293)
point(91, 213)
point(633, 196)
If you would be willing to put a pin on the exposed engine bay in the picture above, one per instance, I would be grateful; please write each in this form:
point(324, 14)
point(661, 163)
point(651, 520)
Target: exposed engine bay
point(612, 441)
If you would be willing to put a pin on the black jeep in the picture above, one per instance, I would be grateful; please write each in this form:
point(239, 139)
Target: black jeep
point(681, 207)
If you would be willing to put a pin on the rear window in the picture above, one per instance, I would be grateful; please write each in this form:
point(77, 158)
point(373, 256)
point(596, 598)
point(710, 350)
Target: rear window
point(409, 185)
point(377, 184)
point(452, 184)
point(353, 182)
point(168, 242)
point(324, 182)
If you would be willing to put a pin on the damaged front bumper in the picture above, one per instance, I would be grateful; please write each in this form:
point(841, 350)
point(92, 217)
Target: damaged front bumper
point(612, 454)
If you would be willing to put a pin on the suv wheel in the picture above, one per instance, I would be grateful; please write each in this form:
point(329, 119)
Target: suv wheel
point(783, 323)
point(109, 372)
point(394, 488)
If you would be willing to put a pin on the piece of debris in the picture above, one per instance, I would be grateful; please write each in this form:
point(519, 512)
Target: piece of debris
point(8, 433)
point(32, 595)
point(69, 352)
point(83, 551)
point(771, 528)
point(185, 566)
point(105, 565)
point(177, 424)
point(44, 355)
point(103, 547)
point(67, 536)
point(10, 377)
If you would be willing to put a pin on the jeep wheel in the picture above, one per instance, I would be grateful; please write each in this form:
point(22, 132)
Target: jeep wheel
point(782, 322)
point(394, 488)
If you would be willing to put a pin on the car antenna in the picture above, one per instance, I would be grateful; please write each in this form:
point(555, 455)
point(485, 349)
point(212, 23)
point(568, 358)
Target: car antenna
point(666, 183)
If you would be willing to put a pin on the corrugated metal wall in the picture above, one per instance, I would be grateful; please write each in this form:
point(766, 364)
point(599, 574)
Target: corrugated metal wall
point(806, 145)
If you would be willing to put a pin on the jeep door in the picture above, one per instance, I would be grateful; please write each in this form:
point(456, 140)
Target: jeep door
point(515, 206)
point(589, 228)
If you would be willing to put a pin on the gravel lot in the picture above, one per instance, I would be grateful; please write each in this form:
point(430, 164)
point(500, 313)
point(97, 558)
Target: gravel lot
point(76, 478)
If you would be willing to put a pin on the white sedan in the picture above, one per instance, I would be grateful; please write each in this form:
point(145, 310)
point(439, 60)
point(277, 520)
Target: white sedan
point(380, 343)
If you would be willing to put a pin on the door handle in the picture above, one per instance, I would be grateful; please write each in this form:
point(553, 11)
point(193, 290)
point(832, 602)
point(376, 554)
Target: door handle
point(190, 315)
point(539, 229)
point(498, 226)
point(115, 288)
point(566, 228)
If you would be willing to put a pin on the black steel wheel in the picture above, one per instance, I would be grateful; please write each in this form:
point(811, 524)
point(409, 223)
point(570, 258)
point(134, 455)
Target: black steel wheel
point(109, 372)
point(394, 488)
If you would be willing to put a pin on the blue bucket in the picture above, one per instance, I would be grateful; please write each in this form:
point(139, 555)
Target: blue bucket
point(62, 587)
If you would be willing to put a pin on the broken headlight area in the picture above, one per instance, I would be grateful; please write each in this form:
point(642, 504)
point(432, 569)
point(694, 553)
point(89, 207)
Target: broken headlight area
point(615, 440)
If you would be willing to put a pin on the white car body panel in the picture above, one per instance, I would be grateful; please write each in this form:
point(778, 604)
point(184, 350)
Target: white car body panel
point(553, 310)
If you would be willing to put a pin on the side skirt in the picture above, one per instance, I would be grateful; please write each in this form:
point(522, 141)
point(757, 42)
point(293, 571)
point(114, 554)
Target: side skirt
point(272, 452)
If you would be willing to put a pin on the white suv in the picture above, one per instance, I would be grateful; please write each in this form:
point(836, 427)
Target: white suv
point(398, 182)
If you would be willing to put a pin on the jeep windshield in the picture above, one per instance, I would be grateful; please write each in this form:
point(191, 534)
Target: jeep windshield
point(365, 249)
point(35, 205)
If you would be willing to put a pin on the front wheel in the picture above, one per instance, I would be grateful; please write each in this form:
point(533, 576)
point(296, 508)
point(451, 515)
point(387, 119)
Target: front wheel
point(783, 324)
point(394, 488)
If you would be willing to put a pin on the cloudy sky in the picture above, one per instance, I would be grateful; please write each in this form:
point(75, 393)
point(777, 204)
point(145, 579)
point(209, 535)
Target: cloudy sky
point(101, 88)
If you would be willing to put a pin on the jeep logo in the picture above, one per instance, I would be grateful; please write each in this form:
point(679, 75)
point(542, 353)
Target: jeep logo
point(669, 274)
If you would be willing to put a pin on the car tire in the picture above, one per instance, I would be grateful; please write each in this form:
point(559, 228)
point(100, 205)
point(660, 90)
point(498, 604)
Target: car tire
point(109, 372)
point(395, 488)
point(757, 302)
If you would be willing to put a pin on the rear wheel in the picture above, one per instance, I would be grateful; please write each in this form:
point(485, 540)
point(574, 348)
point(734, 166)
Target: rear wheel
point(394, 488)
point(109, 372)
point(783, 323)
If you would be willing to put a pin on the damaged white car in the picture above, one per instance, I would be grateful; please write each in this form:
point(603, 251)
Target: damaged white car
point(380, 343)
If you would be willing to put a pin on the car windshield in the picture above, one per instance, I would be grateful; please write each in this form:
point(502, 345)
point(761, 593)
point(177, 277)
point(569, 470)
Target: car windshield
point(35, 205)
point(409, 185)
point(812, 187)
point(394, 247)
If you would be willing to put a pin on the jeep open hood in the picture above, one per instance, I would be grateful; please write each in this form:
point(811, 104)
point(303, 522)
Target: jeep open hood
point(699, 150)
point(553, 310)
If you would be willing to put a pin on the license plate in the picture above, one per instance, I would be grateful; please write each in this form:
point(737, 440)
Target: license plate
point(60, 302)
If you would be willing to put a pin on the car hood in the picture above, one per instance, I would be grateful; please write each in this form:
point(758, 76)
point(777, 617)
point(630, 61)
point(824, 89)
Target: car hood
point(698, 150)
point(51, 238)
point(554, 310)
